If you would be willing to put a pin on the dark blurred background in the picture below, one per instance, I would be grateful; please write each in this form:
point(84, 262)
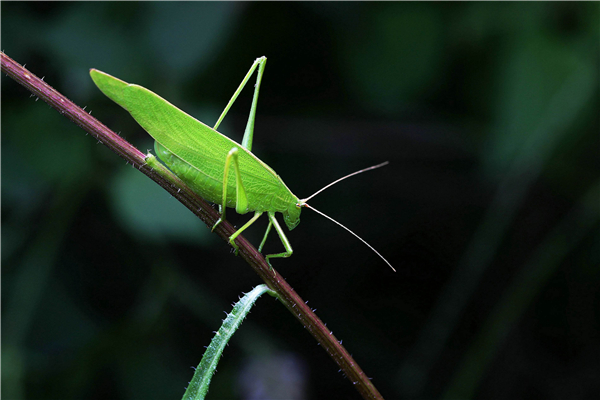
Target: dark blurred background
point(489, 209)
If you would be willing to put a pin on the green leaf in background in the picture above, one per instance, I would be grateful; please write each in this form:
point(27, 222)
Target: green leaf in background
point(201, 30)
point(545, 85)
point(386, 75)
point(146, 210)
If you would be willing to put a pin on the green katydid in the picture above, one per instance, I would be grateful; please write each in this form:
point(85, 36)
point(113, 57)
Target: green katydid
point(201, 157)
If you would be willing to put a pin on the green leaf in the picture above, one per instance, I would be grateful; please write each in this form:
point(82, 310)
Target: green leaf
point(198, 387)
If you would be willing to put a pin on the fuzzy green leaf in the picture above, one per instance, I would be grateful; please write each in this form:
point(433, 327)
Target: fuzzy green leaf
point(198, 387)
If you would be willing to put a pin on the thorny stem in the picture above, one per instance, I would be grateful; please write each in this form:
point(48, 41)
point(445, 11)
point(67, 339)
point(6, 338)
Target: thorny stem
point(205, 212)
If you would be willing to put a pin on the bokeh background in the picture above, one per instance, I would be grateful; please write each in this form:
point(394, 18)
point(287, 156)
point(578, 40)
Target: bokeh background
point(489, 209)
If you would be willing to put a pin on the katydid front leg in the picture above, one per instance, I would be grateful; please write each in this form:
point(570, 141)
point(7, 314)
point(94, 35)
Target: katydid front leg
point(284, 240)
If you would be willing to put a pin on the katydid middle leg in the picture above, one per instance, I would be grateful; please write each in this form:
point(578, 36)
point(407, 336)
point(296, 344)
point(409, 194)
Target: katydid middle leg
point(241, 200)
point(242, 229)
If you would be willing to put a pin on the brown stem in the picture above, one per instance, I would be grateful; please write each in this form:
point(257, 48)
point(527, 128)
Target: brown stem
point(205, 212)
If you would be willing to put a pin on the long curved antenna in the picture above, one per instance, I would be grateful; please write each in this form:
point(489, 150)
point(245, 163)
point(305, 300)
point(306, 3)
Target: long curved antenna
point(303, 201)
point(355, 235)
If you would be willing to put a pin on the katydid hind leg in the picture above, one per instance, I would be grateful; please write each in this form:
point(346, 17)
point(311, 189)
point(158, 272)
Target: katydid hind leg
point(249, 131)
point(247, 140)
point(236, 93)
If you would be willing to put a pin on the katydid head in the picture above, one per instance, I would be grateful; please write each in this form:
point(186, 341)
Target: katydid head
point(303, 203)
point(291, 216)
